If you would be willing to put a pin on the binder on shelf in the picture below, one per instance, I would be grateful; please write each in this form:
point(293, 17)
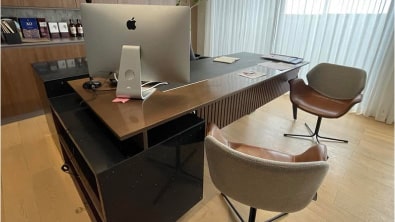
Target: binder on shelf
point(10, 31)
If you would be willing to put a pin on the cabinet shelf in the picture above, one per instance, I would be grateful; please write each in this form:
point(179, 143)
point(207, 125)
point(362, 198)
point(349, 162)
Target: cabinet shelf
point(45, 43)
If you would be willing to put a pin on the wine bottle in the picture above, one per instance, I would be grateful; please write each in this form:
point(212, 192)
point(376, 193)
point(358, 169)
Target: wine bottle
point(72, 29)
point(80, 29)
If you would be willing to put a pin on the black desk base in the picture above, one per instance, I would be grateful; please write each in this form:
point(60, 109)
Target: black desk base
point(122, 182)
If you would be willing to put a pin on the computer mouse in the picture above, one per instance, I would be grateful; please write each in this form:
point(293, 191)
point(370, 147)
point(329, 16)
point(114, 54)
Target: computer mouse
point(91, 84)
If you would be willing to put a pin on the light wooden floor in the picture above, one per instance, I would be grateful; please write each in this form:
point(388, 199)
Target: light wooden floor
point(358, 187)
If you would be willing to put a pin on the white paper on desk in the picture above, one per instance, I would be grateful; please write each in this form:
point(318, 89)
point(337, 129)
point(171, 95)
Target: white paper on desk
point(277, 65)
point(226, 59)
point(252, 75)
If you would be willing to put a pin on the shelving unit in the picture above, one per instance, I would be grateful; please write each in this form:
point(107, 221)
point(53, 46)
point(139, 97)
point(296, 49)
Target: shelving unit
point(20, 96)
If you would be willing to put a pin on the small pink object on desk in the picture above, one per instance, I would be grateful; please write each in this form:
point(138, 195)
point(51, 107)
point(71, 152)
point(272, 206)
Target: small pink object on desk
point(122, 100)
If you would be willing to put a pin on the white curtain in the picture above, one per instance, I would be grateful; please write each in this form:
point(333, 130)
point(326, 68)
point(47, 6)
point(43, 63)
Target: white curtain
point(358, 33)
point(237, 25)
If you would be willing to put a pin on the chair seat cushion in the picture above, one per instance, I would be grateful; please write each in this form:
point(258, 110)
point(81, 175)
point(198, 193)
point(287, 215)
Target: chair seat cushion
point(309, 100)
point(316, 152)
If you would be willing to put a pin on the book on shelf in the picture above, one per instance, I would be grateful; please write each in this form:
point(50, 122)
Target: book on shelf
point(64, 29)
point(29, 28)
point(53, 29)
point(43, 27)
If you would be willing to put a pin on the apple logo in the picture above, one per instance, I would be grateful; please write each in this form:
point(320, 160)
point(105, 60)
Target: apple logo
point(131, 24)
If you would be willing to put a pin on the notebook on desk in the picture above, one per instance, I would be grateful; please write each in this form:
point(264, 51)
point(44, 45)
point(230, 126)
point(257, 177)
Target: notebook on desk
point(226, 59)
point(283, 58)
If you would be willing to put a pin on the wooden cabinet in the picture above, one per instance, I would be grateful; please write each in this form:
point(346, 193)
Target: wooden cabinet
point(50, 3)
point(19, 93)
point(150, 2)
point(12, 3)
point(40, 3)
point(78, 2)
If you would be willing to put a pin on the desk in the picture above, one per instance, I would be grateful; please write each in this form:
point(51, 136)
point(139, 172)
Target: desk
point(143, 160)
point(217, 94)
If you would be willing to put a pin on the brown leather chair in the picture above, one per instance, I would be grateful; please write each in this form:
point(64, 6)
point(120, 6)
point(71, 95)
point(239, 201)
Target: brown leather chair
point(262, 178)
point(331, 92)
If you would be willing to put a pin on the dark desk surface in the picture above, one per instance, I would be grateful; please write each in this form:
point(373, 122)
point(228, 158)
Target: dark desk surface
point(61, 69)
point(204, 69)
point(136, 116)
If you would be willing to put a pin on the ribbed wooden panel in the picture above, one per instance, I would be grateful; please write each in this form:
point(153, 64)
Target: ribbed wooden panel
point(224, 111)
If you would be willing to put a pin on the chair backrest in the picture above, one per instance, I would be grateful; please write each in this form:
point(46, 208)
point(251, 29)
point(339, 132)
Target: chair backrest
point(260, 183)
point(336, 81)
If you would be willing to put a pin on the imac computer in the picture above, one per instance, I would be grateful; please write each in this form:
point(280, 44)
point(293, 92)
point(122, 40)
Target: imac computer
point(138, 43)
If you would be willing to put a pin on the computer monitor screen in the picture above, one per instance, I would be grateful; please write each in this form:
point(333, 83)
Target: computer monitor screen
point(161, 31)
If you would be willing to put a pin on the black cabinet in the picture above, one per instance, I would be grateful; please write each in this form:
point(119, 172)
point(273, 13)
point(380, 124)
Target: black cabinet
point(51, 81)
point(122, 181)
point(53, 75)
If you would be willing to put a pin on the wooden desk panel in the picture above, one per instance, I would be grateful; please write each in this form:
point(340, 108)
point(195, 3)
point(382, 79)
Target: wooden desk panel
point(230, 108)
point(20, 95)
point(221, 100)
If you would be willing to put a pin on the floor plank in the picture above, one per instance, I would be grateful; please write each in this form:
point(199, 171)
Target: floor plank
point(359, 185)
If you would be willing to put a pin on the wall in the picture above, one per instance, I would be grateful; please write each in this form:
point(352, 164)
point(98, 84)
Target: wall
point(53, 15)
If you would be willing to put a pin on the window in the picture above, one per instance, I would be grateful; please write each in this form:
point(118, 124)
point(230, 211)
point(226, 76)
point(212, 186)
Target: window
point(314, 7)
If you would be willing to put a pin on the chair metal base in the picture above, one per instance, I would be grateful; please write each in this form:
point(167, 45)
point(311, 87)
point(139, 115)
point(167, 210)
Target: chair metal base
point(315, 133)
point(252, 213)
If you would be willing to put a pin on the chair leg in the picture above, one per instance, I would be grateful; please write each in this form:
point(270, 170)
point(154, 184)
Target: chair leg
point(276, 217)
point(295, 111)
point(232, 207)
point(315, 133)
point(252, 214)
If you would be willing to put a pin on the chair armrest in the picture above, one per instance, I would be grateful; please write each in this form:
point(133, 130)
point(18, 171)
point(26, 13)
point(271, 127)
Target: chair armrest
point(317, 152)
point(215, 132)
point(298, 85)
point(357, 99)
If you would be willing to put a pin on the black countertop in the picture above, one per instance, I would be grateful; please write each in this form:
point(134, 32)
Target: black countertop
point(202, 69)
point(60, 69)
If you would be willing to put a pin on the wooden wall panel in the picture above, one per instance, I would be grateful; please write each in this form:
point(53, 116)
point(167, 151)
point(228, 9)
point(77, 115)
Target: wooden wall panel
point(11, 2)
point(19, 93)
point(78, 2)
point(40, 3)
point(50, 3)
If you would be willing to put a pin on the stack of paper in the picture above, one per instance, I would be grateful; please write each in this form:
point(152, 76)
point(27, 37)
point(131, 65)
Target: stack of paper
point(252, 74)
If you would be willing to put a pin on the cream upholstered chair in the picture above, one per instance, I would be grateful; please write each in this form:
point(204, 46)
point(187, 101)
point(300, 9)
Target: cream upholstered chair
point(331, 92)
point(262, 178)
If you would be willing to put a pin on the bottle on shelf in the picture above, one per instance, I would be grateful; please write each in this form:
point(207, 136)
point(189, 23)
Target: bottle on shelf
point(80, 29)
point(72, 29)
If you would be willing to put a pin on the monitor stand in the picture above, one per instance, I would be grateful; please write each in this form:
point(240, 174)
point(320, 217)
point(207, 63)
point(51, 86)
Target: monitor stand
point(129, 77)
